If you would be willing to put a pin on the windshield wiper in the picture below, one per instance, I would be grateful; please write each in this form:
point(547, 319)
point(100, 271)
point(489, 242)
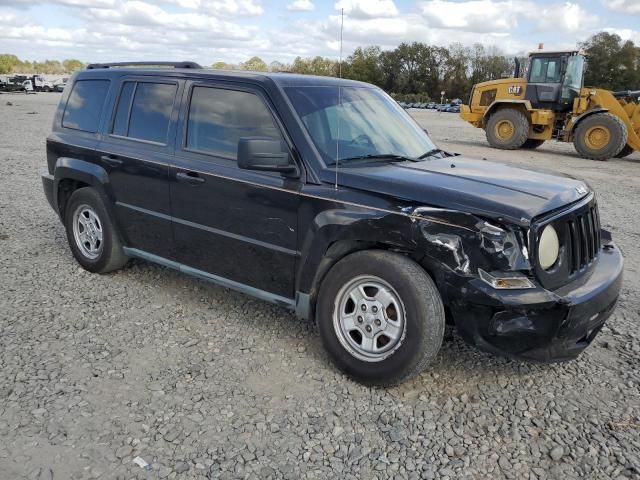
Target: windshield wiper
point(379, 156)
point(431, 153)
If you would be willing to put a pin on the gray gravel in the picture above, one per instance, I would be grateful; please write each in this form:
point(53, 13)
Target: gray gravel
point(202, 382)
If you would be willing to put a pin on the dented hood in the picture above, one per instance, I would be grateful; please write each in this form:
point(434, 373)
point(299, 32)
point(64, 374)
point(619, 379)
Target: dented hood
point(475, 186)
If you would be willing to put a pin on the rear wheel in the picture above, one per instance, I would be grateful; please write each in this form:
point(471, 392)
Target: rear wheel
point(91, 235)
point(507, 129)
point(532, 143)
point(380, 317)
point(600, 136)
point(625, 152)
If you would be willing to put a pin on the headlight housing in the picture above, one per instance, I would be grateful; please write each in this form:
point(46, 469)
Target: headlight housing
point(548, 247)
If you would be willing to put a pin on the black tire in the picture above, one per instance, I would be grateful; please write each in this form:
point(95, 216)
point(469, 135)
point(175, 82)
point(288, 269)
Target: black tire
point(532, 143)
point(46, 89)
point(424, 316)
point(589, 131)
point(507, 129)
point(111, 256)
point(625, 152)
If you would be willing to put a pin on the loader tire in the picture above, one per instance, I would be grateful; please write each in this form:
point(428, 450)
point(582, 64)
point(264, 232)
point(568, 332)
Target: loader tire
point(625, 152)
point(532, 143)
point(507, 129)
point(600, 136)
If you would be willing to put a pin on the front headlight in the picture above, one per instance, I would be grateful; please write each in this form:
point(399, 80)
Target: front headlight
point(548, 247)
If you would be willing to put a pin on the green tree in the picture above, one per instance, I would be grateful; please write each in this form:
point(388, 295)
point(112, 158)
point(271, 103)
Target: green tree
point(315, 66)
point(255, 64)
point(611, 64)
point(364, 65)
point(71, 65)
point(8, 62)
point(219, 66)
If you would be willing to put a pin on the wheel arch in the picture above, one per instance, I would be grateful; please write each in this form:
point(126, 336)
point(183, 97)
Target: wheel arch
point(71, 174)
point(584, 115)
point(331, 243)
point(523, 105)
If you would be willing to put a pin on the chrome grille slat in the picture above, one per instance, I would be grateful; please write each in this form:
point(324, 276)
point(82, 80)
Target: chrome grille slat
point(583, 240)
point(578, 230)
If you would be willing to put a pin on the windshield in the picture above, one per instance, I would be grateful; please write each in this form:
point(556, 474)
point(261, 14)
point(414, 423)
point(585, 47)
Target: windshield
point(351, 123)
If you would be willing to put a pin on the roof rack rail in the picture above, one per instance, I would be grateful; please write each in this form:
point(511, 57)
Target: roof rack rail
point(94, 66)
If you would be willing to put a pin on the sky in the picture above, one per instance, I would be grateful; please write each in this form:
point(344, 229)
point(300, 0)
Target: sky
point(208, 31)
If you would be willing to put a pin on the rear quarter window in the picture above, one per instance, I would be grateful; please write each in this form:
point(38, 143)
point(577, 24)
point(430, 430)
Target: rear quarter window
point(84, 106)
point(144, 111)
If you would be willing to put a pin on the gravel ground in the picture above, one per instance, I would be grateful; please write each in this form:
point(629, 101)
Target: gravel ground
point(202, 382)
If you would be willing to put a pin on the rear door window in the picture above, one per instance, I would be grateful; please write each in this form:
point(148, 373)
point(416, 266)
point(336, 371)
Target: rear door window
point(84, 107)
point(144, 111)
point(219, 118)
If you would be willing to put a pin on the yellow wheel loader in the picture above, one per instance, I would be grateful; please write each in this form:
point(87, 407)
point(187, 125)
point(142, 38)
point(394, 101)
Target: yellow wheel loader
point(552, 103)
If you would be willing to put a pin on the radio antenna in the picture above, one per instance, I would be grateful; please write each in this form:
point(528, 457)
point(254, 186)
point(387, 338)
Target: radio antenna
point(339, 99)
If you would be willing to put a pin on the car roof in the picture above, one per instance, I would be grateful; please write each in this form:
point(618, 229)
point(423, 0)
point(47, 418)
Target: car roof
point(282, 79)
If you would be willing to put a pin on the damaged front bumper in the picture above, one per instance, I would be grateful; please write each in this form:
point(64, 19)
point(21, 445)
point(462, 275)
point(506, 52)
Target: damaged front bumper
point(538, 324)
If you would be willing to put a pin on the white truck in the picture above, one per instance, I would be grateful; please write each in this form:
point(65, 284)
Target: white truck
point(19, 82)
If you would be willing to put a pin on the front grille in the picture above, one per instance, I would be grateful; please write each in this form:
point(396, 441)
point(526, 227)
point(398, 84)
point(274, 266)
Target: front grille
point(583, 242)
point(578, 230)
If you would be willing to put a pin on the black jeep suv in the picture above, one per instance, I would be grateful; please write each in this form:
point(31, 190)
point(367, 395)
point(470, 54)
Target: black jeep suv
point(323, 196)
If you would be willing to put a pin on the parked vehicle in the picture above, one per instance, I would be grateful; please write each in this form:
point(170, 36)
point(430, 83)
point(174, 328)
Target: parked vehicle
point(350, 216)
point(431, 105)
point(12, 84)
point(444, 107)
point(59, 87)
point(553, 103)
point(27, 86)
point(38, 83)
point(454, 109)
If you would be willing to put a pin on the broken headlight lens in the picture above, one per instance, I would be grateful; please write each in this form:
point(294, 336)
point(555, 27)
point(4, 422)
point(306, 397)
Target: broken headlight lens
point(548, 247)
point(506, 281)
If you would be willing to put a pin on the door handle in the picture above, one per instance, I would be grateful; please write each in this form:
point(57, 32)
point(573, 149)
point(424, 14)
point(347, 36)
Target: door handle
point(192, 178)
point(111, 160)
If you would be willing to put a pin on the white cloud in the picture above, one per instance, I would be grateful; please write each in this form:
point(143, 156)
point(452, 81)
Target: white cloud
point(625, 34)
point(219, 8)
point(474, 16)
point(234, 30)
point(142, 14)
point(368, 8)
point(301, 6)
point(484, 16)
point(568, 17)
point(631, 7)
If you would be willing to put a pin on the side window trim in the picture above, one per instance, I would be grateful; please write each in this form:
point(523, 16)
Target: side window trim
point(112, 124)
point(250, 89)
point(136, 80)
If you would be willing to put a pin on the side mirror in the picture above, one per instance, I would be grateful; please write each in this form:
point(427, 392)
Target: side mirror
point(266, 154)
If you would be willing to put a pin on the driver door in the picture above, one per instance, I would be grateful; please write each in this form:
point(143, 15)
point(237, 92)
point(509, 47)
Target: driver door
point(229, 223)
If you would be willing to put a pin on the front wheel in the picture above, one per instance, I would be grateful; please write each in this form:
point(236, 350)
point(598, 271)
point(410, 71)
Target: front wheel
point(600, 136)
point(380, 317)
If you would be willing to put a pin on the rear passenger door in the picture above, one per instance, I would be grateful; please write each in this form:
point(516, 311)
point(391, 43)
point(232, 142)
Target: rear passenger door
point(136, 149)
point(236, 224)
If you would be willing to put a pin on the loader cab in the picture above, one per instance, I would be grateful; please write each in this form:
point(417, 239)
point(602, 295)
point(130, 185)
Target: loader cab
point(554, 79)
